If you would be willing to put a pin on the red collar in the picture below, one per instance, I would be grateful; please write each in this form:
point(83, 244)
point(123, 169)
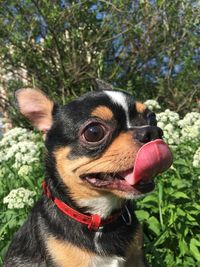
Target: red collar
point(94, 221)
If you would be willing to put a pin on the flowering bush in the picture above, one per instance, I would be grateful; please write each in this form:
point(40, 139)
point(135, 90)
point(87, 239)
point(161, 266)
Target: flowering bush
point(190, 126)
point(169, 215)
point(176, 130)
point(19, 198)
point(168, 121)
point(19, 153)
point(152, 104)
point(21, 173)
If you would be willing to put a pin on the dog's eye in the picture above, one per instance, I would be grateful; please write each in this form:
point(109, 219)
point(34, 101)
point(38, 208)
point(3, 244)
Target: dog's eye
point(94, 132)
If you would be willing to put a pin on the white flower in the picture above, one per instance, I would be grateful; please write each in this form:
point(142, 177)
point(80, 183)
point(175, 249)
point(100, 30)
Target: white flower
point(23, 152)
point(161, 124)
point(19, 198)
point(179, 131)
point(24, 170)
point(189, 133)
point(167, 121)
point(190, 119)
point(168, 116)
point(169, 127)
point(152, 104)
point(196, 159)
point(18, 149)
point(190, 127)
point(15, 135)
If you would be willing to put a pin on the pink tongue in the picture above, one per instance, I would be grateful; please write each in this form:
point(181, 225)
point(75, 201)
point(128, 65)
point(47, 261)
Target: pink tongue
point(152, 158)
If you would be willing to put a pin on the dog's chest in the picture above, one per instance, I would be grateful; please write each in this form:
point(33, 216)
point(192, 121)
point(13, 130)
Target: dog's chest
point(103, 261)
point(107, 262)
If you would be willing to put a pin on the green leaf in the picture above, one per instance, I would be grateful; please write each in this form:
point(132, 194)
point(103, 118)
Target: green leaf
point(183, 247)
point(180, 212)
point(190, 218)
point(196, 242)
point(178, 195)
point(181, 162)
point(154, 225)
point(194, 249)
point(150, 198)
point(142, 215)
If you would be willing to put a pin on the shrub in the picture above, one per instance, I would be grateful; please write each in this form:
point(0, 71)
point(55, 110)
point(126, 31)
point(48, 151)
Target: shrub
point(150, 47)
point(171, 214)
point(21, 173)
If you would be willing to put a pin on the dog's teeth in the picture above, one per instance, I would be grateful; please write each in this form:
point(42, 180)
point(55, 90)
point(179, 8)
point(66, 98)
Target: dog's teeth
point(103, 176)
point(106, 176)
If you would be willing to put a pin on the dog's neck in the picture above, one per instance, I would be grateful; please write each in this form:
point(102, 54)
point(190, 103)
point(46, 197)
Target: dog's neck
point(103, 205)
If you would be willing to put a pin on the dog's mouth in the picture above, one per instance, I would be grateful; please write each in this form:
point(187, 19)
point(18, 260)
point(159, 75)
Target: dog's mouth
point(116, 181)
point(152, 158)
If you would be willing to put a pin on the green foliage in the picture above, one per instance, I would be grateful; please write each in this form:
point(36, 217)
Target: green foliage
point(149, 47)
point(21, 154)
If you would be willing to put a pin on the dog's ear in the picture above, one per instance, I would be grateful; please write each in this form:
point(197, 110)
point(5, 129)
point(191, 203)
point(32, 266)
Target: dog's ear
point(102, 85)
point(36, 107)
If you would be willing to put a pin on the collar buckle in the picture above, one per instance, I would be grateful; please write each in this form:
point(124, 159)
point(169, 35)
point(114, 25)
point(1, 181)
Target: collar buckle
point(128, 220)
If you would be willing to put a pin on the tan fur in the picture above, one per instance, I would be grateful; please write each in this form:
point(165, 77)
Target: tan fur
point(103, 112)
point(134, 253)
point(140, 107)
point(68, 173)
point(118, 157)
point(66, 255)
point(137, 242)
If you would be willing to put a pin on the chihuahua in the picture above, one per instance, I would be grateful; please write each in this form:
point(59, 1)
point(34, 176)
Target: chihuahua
point(102, 151)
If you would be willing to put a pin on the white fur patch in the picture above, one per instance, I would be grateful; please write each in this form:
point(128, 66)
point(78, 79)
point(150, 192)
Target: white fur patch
point(120, 99)
point(103, 206)
point(107, 261)
point(97, 245)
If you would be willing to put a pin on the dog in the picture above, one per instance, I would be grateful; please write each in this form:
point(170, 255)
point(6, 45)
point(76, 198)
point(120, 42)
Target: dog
point(102, 151)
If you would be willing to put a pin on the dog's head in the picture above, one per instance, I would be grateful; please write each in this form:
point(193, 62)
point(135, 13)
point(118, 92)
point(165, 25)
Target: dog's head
point(103, 143)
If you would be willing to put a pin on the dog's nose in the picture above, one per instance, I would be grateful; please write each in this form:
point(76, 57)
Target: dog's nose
point(148, 133)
